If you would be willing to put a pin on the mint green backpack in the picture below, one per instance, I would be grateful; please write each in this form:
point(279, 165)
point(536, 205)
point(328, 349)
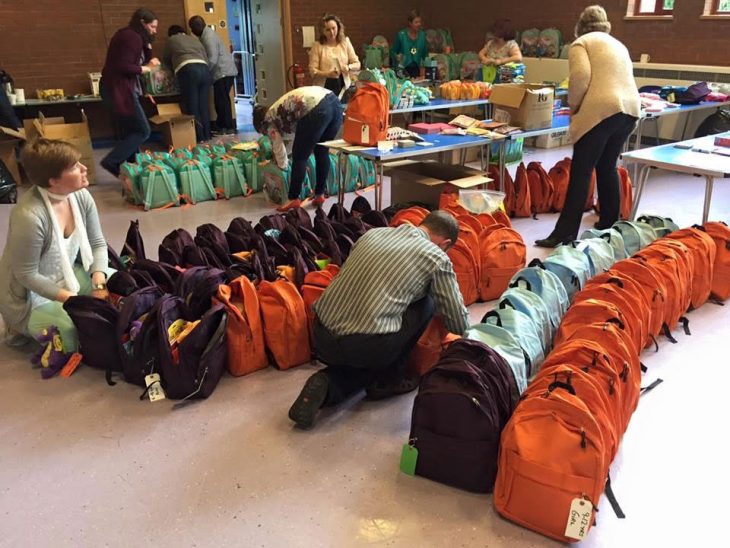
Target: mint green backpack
point(158, 187)
point(349, 172)
point(228, 176)
point(333, 179)
point(196, 182)
point(131, 176)
point(275, 183)
point(368, 174)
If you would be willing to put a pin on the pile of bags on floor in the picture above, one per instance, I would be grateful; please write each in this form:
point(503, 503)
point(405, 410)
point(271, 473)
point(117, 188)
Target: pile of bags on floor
point(238, 299)
point(226, 170)
point(534, 190)
point(545, 447)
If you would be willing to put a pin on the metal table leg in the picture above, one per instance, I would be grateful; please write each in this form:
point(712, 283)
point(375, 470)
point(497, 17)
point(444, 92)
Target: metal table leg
point(709, 182)
point(502, 161)
point(640, 182)
point(340, 182)
point(379, 186)
point(637, 144)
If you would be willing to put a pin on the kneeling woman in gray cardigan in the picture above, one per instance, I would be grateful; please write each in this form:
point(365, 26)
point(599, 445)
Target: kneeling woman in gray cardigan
point(55, 248)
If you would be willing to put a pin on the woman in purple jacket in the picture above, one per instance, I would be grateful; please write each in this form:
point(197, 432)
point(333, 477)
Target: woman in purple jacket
point(129, 55)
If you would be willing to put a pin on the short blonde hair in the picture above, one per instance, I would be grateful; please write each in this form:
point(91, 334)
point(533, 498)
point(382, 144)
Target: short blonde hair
point(46, 159)
point(593, 19)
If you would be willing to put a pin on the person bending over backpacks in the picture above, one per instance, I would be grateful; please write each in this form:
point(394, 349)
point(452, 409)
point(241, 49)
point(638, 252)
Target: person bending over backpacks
point(55, 248)
point(371, 316)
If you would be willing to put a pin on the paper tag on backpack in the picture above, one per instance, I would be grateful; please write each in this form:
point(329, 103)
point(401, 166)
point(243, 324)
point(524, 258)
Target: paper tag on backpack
point(408, 459)
point(154, 388)
point(364, 133)
point(579, 519)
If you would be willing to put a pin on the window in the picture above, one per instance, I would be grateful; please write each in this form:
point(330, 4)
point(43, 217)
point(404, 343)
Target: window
point(721, 7)
point(654, 7)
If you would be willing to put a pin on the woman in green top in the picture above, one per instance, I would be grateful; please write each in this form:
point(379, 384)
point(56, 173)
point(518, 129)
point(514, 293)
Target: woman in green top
point(410, 47)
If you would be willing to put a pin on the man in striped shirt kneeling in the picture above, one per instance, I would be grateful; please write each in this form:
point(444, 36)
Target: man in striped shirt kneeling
point(371, 316)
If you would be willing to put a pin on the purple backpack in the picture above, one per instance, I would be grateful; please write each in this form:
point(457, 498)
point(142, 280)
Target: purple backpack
point(133, 354)
point(172, 246)
point(462, 405)
point(133, 243)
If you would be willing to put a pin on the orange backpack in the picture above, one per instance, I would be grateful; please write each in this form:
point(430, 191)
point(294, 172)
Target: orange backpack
point(720, 233)
point(523, 202)
point(410, 215)
point(703, 249)
point(626, 192)
point(244, 332)
point(541, 188)
point(366, 117)
point(552, 451)
point(472, 221)
point(560, 176)
point(285, 323)
point(586, 311)
point(502, 218)
point(502, 253)
point(314, 285)
point(466, 269)
point(653, 287)
point(428, 349)
point(507, 186)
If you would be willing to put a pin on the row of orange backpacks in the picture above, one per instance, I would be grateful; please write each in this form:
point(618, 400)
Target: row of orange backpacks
point(534, 190)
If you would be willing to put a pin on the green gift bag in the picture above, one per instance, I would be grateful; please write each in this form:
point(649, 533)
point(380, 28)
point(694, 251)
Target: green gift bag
point(250, 161)
point(159, 186)
point(265, 148)
point(196, 182)
point(228, 176)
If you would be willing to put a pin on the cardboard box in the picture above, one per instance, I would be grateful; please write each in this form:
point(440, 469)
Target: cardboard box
point(529, 106)
point(551, 140)
point(454, 156)
point(178, 129)
point(424, 181)
point(9, 141)
point(76, 134)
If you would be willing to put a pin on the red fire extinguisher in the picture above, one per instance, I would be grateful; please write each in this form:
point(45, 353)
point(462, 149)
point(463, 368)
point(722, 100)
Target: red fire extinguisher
point(296, 76)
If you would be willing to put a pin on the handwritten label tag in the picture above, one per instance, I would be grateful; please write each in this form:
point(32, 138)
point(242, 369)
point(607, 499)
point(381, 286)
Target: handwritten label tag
point(154, 388)
point(579, 519)
point(365, 133)
point(408, 459)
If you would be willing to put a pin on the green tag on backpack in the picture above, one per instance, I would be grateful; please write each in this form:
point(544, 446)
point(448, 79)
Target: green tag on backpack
point(408, 459)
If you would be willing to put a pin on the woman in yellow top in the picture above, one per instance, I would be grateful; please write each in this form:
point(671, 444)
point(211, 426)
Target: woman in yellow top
point(502, 48)
point(332, 58)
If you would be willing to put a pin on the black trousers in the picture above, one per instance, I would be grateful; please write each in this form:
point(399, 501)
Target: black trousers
point(194, 80)
point(598, 149)
point(222, 99)
point(355, 361)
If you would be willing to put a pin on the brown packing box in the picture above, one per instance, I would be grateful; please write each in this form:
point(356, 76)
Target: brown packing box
point(528, 106)
point(9, 140)
point(76, 134)
point(178, 129)
point(424, 181)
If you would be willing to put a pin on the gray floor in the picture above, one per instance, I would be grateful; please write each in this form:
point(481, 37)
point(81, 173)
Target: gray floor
point(84, 464)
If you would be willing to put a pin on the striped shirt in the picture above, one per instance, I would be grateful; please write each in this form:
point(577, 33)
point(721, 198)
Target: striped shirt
point(387, 270)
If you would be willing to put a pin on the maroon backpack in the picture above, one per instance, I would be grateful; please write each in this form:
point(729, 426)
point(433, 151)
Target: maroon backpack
point(133, 243)
point(462, 405)
point(171, 249)
point(132, 354)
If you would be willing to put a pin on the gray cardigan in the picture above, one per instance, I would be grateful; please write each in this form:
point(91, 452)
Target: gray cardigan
point(180, 48)
point(219, 58)
point(30, 234)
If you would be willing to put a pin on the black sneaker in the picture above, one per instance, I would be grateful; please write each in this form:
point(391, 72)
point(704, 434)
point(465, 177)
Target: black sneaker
point(305, 408)
point(386, 388)
point(111, 168)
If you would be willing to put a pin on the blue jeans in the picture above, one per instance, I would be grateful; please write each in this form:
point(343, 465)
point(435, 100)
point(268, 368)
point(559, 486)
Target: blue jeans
point(321, 124)
point(135, 131)
point(195, 81)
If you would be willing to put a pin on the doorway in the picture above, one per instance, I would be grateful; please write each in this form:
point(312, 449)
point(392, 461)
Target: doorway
point(240, 30)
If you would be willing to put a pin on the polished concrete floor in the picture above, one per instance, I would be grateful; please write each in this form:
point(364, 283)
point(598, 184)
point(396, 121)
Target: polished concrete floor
point(85, 464)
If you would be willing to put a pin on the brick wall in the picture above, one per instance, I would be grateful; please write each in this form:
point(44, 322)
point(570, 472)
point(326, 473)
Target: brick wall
point(684, 40)
point(55, 43)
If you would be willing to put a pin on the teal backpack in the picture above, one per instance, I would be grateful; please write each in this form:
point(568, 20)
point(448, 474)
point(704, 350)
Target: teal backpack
point(636, 235)
point(663, 226)
point(504, 343)
point(549, 43)
point(531, 304)
point(349, 172)
point(250, 161)
point(380, 41)
point(333, 179)
point(275, 183)
point(196, 182)
point(599, 253)
point(265, 148)
point(571, 266)
point(471, 66)
point(228, 176)
point(374, 57)
point(131, 176)
point(443, 66)
point(547, 286)
point(614, 238)
point(368, 175)
point(523, 329)
point(158, 187)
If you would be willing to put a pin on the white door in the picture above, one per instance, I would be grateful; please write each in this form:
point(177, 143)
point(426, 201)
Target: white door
point(268, 34)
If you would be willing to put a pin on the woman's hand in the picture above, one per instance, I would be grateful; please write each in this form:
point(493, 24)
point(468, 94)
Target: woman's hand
point(334, 73)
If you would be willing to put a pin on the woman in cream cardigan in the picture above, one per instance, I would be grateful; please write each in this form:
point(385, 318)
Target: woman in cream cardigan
point(332, 58)
point(605, 105)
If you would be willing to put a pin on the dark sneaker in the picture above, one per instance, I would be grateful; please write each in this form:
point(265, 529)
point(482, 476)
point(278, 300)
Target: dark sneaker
point(311, 398)
point(111, 168)
point(385, 388)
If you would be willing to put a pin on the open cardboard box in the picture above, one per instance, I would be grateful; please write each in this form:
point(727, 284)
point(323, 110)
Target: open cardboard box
point(424, 181)
point(178, 129)
point(76, 134)
point(9, 140)
point(528, 106)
